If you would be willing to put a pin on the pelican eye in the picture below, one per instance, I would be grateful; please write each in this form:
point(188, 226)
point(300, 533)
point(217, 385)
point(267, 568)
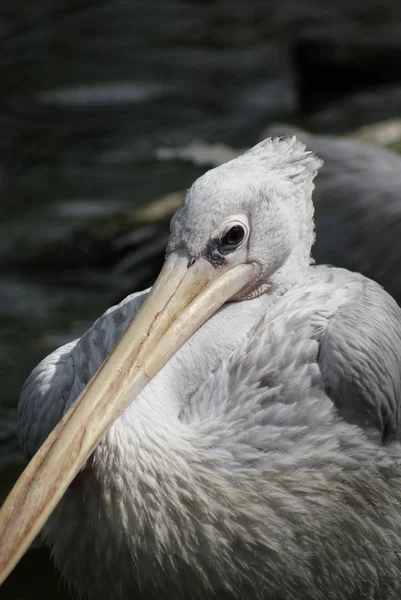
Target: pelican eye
point(232, 238)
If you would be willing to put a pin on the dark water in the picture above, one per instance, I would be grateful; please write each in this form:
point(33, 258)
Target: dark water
point(88, 91)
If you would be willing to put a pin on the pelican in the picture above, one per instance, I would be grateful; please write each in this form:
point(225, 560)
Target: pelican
point(232, 434)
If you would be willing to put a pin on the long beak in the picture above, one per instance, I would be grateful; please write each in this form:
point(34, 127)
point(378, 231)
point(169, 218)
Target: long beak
point(181, 300)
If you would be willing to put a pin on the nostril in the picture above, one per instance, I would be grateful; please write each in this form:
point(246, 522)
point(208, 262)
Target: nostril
point(191, 262)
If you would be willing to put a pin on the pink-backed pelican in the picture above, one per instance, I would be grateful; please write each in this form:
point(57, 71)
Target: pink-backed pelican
point(232, 434)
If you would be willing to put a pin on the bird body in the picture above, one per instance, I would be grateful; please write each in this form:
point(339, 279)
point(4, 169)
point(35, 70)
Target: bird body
point(263, 460)
point(249, 485)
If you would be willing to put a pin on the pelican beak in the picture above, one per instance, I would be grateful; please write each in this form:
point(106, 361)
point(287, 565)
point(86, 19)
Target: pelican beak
point(184, 296)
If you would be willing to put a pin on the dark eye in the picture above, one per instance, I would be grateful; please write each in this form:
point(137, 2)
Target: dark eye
point(232, 238)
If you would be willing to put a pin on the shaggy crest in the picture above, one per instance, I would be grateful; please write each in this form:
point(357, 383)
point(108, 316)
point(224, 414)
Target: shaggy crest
point(288, 156)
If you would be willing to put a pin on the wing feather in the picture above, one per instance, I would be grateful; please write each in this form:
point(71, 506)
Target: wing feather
point(55, 383)
point(360, 361)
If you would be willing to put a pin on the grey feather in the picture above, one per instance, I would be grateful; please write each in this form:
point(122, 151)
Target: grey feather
point(55, 383)
point(359, 358)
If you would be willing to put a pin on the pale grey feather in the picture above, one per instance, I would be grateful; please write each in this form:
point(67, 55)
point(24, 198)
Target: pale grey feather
point(360, 361)
point(61, 376)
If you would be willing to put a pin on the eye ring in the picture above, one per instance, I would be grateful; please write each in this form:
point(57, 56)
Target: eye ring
point(232, 238)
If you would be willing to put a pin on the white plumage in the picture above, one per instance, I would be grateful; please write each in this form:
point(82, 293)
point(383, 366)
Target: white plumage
point(263, 460)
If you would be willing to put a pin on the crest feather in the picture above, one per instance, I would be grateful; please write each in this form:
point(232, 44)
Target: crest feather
point(286, 154)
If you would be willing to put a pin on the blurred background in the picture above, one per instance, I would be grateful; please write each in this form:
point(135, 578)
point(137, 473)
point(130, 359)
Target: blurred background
point(93, 94)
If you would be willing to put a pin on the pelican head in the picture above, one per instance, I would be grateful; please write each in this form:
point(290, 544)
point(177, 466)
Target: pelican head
point(256, 209)
point(246, 228)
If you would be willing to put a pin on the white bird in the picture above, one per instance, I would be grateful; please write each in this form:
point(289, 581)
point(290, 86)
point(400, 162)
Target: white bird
point(262, 460)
